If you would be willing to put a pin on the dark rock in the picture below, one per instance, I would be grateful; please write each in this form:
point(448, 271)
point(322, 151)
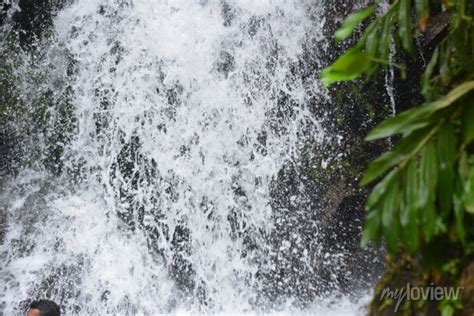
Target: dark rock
point(33, 19)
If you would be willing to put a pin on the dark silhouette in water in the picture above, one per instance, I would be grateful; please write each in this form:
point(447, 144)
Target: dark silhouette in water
point(44, 308)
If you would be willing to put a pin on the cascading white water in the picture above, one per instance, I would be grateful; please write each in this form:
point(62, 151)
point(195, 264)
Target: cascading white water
point(163, 204)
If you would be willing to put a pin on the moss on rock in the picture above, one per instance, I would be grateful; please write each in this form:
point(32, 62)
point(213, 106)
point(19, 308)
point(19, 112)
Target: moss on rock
point(394, 294)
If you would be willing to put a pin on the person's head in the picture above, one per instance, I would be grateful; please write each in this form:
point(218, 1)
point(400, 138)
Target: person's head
point(44, 308)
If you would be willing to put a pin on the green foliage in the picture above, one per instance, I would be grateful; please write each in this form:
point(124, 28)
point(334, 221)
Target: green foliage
point(347, 67)
point(351, 23)
point(426, 180)
point(423, 201)
point(422, 13)
point(405, 25)
point(373, 47)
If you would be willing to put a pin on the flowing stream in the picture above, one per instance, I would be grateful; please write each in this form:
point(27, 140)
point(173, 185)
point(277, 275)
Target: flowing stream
point(180, 116)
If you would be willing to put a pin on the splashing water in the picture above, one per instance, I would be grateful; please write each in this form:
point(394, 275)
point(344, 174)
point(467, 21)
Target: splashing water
point(184, 112)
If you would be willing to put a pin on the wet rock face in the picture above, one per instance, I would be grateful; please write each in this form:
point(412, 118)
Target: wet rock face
point(24, 114)
point(3, 215)
point(34, 18)
point(4, 12)
point(318, 195)
point(353, 110)
point(27, 23)
point(6, 151)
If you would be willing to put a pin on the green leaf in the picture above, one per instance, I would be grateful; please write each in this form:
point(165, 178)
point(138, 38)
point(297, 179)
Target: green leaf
point(455, 94)
point(403, 150)
point(386, 39)
point(405, 25)
point(428, 175)
point(447, 145)
point(422, 13)
point(390, 207)
point(469, 248)
point(446, 310)
point(380, 189)
point(391, 202)
point(459, 213)
point(411, 119)
point(472, 41)
point(372, 228)
point(377, 205)
point(348, 66)
point(367, 32)
point(468, 122)
point(468, 197)
point(447, 154)
point(410, 236)
point(429, 221)
point(427, 184)
point(445, 69)
point(426, 78)
point(351, 22)
point(463, 167)
point(409, 210)
point(371, 45)
point(372, 41)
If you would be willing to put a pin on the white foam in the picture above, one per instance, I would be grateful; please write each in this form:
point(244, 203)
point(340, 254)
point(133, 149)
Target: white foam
point(155, 71)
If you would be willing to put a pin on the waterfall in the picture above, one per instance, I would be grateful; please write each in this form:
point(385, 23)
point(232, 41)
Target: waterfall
point(180, 115)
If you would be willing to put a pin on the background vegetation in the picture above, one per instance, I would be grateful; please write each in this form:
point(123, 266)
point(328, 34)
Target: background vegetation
point(422, 205)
